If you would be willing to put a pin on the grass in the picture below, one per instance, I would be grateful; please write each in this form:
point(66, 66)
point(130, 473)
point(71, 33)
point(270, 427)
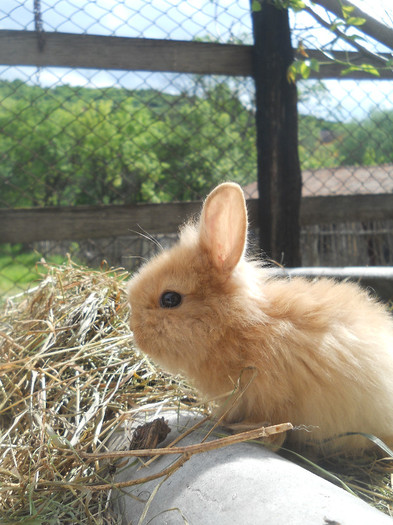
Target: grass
point(17, 273)
point(18, 269)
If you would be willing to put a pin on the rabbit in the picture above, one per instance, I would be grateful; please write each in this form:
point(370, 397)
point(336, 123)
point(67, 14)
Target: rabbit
point(317, 354)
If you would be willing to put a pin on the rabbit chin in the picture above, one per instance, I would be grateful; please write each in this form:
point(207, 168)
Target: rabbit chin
point(167, 358)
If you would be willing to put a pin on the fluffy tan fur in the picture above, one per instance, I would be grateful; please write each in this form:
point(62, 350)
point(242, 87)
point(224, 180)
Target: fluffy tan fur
point(318, 354)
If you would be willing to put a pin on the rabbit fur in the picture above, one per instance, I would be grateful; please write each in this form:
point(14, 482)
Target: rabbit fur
point(318, 354)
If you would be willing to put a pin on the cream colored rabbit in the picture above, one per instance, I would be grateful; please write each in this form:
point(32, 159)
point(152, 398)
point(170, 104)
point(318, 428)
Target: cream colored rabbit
point(314, 353)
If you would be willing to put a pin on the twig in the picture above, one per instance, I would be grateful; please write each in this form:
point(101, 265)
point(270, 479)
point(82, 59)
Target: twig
point(363, 50)
point(190, 449)
point(186, 453)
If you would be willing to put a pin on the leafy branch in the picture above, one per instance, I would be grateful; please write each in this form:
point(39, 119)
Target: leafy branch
point(347, 17)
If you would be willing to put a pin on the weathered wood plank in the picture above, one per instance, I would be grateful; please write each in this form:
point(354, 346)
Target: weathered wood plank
point(346, 208)
point(82, 222)
point(18, 48)
point(93, 222)
point(122, 53)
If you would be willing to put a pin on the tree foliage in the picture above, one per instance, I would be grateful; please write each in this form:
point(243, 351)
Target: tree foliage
point(74, 146)
point(86, 146)
point(369, 143)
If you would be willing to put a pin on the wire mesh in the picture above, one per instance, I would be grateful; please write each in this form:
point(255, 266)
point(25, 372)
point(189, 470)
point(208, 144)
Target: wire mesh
point(86, 136)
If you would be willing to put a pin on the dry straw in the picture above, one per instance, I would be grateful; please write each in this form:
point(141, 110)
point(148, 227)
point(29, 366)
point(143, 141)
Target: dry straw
point(71, 380)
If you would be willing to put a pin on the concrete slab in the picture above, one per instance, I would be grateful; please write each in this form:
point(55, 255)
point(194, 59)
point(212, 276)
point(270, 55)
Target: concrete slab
point(378, 279)
point(241, 484)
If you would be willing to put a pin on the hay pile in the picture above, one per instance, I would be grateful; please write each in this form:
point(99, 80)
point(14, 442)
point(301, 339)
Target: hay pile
point(70, 378)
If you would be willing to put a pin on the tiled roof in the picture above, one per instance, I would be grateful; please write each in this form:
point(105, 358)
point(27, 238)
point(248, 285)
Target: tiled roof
point(348, 180)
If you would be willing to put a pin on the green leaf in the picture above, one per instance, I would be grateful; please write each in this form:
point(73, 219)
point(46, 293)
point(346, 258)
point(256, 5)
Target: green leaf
point(302, 68)
point(297, 5)
point(347, 10)
point(256, 6)
point(370, 69)
point(305, 70)
point(354, 38)
point(349, 70)
point(355, 21)
point(337, 23)
point(291, 74)
point(314, 64)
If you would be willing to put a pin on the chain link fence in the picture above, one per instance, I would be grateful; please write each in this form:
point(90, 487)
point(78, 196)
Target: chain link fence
point(74, 137)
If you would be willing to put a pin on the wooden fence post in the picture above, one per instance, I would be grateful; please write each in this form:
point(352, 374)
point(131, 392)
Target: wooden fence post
point(279, 175)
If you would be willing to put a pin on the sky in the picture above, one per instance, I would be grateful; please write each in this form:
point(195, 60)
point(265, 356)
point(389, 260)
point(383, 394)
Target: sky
point(380, 9)
point(222, 20)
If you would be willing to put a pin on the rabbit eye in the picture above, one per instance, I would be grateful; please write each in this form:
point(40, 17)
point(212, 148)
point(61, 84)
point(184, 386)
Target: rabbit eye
point(170, 300)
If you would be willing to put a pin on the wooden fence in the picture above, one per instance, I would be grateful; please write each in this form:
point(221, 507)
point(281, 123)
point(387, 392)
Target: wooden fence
point(95, 222)
point(26, 48)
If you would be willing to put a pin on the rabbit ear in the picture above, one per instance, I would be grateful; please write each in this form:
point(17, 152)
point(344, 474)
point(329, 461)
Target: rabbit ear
point(223, 225)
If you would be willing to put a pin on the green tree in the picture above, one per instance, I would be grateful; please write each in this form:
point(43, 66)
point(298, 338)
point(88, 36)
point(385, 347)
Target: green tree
point(211, 139)
point(368, 142)
point(72, 146)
